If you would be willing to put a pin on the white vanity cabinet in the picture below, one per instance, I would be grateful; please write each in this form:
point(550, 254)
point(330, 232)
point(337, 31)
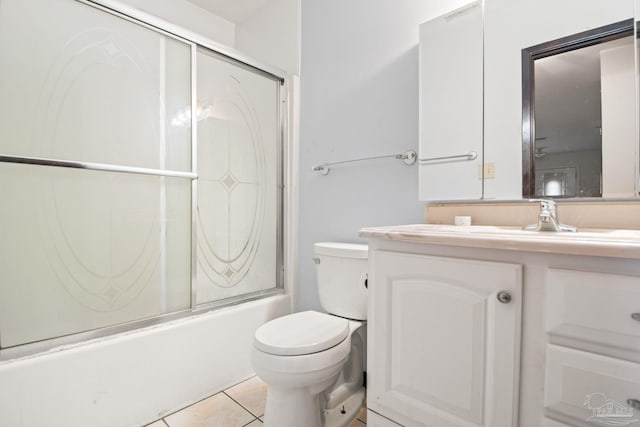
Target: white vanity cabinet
point(444, 339)
point(444, 351)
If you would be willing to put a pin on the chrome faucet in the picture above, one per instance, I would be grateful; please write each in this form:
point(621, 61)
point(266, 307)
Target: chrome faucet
point(548, 218)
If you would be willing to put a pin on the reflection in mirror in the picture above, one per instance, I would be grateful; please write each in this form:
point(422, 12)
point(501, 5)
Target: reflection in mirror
point(578, 114)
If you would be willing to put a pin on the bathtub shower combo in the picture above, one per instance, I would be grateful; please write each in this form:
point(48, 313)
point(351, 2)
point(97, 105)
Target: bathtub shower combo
point(140, 172)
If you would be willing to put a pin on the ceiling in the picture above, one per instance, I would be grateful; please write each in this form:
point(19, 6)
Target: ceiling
point(235, 11)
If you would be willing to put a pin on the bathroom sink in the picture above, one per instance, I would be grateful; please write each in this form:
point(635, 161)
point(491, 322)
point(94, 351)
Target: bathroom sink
point(598, 242)
point(582, 234)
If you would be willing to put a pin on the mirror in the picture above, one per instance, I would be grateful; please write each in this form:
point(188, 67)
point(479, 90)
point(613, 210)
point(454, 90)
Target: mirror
point(535, 167)
point(578, 114)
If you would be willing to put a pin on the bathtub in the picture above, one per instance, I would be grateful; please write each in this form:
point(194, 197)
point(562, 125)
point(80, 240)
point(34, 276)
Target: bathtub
point(134, 378)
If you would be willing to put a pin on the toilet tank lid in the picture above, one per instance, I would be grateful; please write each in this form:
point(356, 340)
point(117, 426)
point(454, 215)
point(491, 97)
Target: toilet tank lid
point(301, 333)
point(345, 250)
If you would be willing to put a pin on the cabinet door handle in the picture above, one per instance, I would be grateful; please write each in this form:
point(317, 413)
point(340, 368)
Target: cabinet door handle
point(504, 297)
point(635, 316)
point(634, 403)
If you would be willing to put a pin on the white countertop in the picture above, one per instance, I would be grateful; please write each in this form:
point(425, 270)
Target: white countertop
point(593, 242)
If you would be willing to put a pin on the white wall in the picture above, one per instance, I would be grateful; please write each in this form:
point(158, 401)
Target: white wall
point(359, 98)
point(187, 15)
point(272, 35)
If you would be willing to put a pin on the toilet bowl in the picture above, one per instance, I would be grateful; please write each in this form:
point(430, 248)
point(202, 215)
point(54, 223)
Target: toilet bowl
point(313, 363)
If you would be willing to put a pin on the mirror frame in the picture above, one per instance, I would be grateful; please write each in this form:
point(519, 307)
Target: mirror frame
point(529, 55)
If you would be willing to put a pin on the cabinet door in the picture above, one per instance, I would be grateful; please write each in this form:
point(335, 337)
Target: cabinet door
point(451, 105)
point(443, 351)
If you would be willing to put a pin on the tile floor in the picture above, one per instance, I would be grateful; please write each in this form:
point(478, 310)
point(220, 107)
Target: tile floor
point(239, 406)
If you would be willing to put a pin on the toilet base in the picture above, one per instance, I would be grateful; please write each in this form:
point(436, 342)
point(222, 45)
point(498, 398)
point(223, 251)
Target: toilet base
point(346, 412)
point(297, 404)
point(305, 405)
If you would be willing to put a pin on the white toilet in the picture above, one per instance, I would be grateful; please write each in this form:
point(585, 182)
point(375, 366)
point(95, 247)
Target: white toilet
point(312, 362)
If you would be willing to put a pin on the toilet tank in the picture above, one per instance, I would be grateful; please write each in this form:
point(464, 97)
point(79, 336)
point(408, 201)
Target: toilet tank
point(341, 271)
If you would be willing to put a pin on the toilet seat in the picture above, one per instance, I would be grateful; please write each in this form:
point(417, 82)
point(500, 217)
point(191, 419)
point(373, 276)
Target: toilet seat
point(301, 333)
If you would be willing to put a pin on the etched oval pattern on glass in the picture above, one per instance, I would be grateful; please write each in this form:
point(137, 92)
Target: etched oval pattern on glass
point(100, 231)
point(231, 197)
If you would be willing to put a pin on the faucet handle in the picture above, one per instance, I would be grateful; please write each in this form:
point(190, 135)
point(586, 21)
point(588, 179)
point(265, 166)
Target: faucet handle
point(545, 204)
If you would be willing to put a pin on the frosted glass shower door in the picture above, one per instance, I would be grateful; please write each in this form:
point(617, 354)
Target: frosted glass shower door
point(86, 249)
point(238, 178)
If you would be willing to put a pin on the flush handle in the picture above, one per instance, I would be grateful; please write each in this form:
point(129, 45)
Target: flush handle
point(504, 297)
point(634, 403)
point(365, 278)
point(635, 316)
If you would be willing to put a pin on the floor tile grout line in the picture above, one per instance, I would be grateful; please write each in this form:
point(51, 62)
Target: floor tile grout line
point(207, 397)
point(162, 420)
point(188, 406)
point(225, 392)
point(252, 421)
point(255, 417)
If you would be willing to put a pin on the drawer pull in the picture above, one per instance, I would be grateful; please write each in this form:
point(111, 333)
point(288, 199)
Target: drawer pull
point(635, 316)
point(634, 403)
point(504, 297)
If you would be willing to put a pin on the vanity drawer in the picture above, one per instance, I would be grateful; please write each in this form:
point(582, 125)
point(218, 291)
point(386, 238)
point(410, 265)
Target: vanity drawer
point(594, 312)
point(578, 383)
